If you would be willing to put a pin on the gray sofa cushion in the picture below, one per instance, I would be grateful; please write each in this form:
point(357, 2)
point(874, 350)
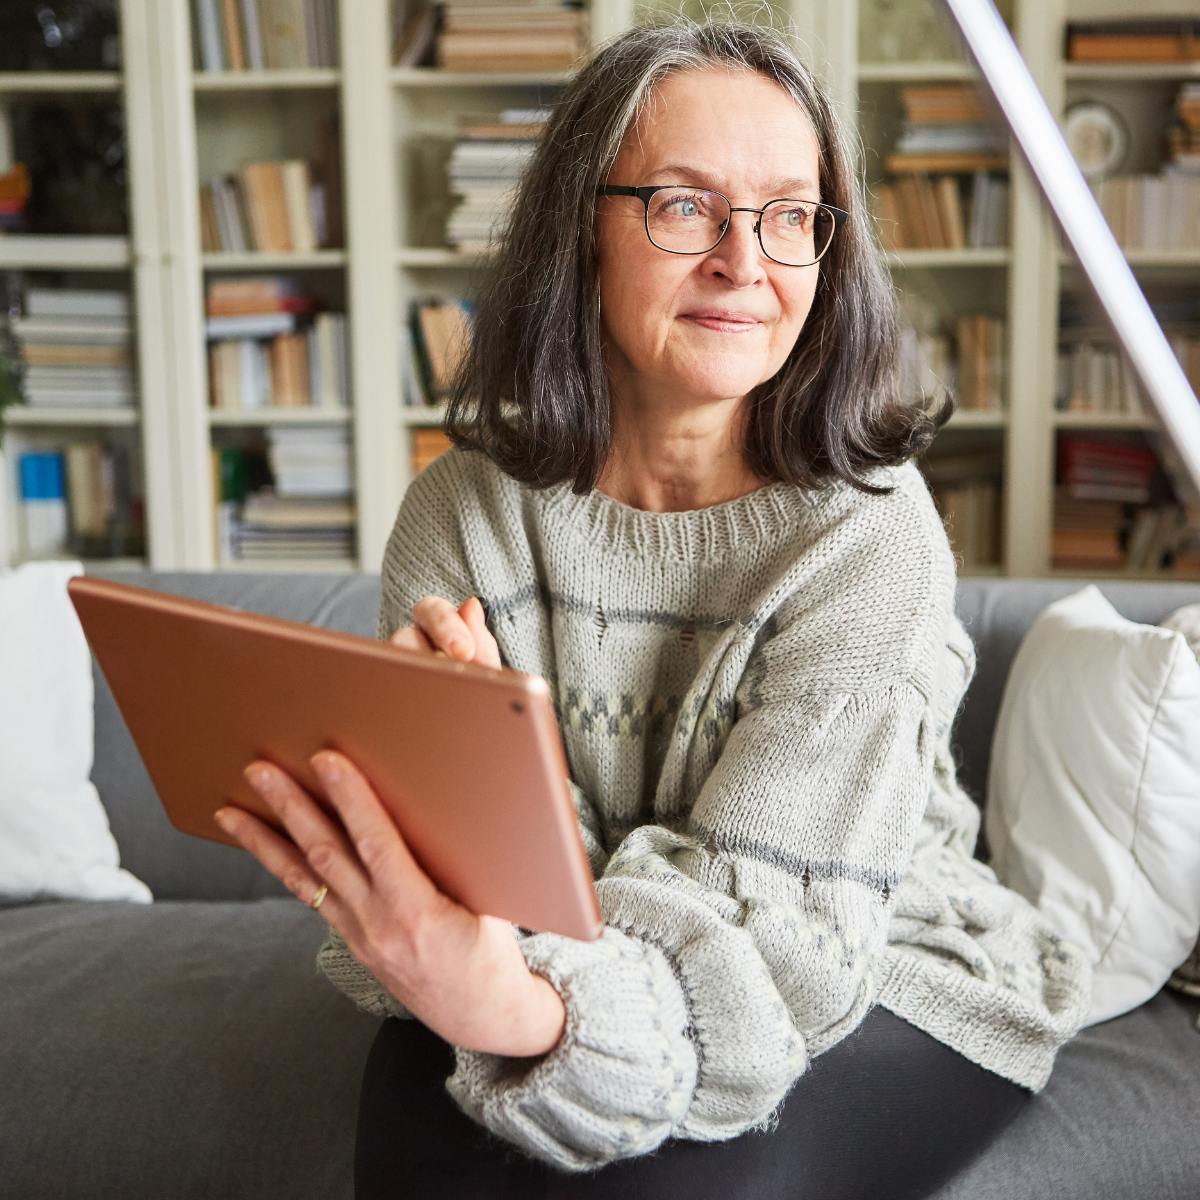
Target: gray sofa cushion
point(186, 1050)
point(1116, 1121)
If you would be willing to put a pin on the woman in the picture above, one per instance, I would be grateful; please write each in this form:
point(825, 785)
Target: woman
point(682, 484)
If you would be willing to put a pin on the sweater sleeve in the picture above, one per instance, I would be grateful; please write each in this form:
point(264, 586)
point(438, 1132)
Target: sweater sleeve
point(738, 944)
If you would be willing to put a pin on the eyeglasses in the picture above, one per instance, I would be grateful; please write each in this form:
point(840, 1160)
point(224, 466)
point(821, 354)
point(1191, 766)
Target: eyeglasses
point(688, 220)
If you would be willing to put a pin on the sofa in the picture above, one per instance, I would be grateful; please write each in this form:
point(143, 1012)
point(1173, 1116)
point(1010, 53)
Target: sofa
point(191, 1048)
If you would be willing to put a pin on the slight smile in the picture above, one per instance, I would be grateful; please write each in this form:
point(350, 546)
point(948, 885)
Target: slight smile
point(723, 326)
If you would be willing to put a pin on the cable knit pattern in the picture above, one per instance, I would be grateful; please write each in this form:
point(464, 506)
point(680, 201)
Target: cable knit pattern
point(756, 701)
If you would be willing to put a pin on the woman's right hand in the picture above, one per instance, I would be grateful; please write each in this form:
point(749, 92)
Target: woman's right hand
point(459, 633)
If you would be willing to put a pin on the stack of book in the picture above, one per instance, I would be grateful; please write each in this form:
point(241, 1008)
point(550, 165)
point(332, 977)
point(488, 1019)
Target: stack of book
point(945, 193)
point(1094, 376)
point(309, 509)
point(239, 35)
point(437, 335)
point(966, 489)
point(105, 495)
point(919, 211)
point(276, 527)
point(969, 363)
point(980, 341)
point(1167, 40)
point(1160, 211)
point(77, 347)
point(269, 347)
point(310, 461)
point(485, 166)
point(518, 35)
point(1095, 523)
point(1090, 469)
point(1086, 533)
point(1151, 212)
point(271, 206)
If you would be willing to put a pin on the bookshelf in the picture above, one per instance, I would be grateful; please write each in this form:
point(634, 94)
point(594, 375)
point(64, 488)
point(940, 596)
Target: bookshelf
point(396, 127)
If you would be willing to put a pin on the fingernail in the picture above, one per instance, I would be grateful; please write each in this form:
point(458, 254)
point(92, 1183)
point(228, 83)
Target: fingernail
point(259, 778)
point(457, 646)
point(221, 816)
point(326, 768)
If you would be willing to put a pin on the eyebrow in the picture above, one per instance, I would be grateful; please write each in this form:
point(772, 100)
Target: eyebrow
point(774, 185)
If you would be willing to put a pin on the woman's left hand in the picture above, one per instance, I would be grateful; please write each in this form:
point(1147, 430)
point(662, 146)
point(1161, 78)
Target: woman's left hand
point(461, 974)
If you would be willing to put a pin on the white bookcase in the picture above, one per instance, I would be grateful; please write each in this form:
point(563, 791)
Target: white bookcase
point(397, 127)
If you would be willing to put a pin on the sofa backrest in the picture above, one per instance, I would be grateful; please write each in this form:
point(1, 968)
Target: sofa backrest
point(995, 612)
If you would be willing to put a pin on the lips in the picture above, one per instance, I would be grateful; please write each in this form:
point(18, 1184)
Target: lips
point(729, 316)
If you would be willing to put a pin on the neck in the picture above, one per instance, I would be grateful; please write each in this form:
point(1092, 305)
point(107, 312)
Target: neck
point(666, 459)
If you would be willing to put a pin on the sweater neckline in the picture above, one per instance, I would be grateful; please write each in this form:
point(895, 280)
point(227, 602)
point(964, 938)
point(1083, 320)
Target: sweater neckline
point(760, 517)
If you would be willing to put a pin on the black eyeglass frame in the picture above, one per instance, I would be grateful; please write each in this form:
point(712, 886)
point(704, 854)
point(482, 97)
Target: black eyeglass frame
point(644, 193)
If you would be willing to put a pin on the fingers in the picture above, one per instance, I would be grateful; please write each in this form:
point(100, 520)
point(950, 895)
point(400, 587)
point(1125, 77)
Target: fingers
point(412, 638)
point(323, 847)
point(440, 621)
point(486, 650)
point(460, 633)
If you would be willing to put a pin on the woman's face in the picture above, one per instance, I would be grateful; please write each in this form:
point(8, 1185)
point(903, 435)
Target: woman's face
point(740, 134)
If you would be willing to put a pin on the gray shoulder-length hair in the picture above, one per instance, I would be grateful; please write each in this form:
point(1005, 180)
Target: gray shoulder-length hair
point(531, 390)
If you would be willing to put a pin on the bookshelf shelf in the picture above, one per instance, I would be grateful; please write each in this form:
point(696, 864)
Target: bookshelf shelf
point(32, 416)
point(1122, 72)
point(969, 418)
point(113, 564)
point(17, 83)
point(277, 78)
point(63, 252)
point(434, 77)
point(914, 72)
point(1146, 259)
point(1099, 420)
point(260, 260)
point(984, 256)
point(92, 564)
point(1159, 576)
point(289, 566)
point(279, 416)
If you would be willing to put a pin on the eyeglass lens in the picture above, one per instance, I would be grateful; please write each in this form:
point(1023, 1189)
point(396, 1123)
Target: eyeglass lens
point(691, 220)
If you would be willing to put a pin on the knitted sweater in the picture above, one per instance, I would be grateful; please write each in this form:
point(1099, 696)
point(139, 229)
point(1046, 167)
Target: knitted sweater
point(756, 702)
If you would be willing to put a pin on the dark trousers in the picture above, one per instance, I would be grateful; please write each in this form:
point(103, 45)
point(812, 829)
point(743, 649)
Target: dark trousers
point(887, 1112)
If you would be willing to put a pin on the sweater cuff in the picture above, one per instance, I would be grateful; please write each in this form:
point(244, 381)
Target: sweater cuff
point(620, 1078)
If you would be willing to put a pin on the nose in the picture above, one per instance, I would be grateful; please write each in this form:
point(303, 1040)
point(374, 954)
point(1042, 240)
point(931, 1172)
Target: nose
point(738, 256)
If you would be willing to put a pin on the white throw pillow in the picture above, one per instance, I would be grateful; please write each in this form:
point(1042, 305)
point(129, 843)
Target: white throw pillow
point(55, 841)
point(1186, 620)
point(1093, 805)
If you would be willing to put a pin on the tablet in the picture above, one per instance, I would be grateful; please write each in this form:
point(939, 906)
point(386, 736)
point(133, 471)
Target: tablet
point(467, 759)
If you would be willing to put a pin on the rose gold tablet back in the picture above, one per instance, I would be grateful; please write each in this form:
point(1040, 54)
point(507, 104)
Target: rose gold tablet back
point(466, 758)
